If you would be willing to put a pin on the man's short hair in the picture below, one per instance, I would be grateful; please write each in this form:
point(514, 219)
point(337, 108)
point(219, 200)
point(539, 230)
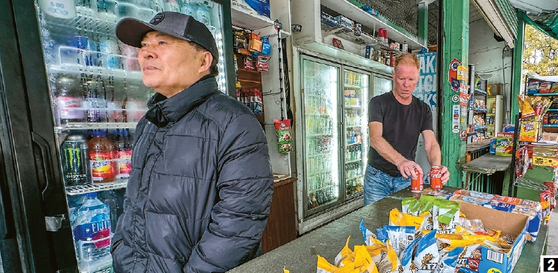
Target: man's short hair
point(213, 70)
point(408, 59)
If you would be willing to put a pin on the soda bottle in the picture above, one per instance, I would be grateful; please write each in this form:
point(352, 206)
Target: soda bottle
point(101, 156)
point(92, 235)
point(110, 199)
point(123, 154)
point(69, 99)
point(74, 159)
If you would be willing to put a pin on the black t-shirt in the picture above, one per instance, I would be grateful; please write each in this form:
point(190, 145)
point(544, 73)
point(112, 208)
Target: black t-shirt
point(402, 125)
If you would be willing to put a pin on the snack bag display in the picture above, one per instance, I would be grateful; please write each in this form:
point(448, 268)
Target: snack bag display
point(284, 138)
point(427, 255)
point(345, 255)
point(324, 266)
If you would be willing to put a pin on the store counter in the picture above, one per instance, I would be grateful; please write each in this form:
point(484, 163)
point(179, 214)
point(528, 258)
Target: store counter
point(300, 255)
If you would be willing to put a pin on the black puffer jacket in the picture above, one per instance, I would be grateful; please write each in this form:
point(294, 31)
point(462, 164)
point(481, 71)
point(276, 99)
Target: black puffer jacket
point(200, 188)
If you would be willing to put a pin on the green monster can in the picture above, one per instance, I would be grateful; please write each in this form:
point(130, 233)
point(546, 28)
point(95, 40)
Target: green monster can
point(74, 160)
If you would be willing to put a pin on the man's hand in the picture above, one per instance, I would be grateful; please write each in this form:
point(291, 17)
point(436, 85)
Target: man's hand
point(445, 175)
point(407, 168)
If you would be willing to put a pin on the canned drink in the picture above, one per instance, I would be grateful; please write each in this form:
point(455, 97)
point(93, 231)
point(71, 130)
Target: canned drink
point(417, 184)
point(436, 177)
point(74, 159)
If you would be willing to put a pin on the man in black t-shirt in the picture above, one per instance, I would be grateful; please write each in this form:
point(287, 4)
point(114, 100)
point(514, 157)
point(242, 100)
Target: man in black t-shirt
point(396, 119)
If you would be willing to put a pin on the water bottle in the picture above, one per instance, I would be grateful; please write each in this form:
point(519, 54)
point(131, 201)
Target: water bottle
point(92, 234)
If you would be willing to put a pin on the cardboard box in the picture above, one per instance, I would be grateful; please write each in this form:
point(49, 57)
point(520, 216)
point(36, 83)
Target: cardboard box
point(494, 89)
point(491, 260)
point(259, 6)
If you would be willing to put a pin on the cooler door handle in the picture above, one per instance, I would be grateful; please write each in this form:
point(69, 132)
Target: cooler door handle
point(7, 226)
point(45, 160)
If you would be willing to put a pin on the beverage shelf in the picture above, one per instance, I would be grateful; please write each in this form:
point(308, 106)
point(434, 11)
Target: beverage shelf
point(353, 161)
point(366, 19)
point(353, 107)
point(81, 189)
point(95, 125)
point(356, 143)
point(245, 17)
point(355, 177)
point(94, 70)
point(347, 86)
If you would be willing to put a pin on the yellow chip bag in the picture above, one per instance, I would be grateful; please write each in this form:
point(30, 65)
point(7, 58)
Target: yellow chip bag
point(345, 255)
point(324, 266)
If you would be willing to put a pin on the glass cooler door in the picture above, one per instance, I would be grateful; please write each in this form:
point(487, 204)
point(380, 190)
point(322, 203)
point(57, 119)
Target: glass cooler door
point(355, 100)
point(321, 151)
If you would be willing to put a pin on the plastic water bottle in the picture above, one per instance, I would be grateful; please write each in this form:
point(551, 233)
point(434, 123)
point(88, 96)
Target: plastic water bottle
point(92, 235)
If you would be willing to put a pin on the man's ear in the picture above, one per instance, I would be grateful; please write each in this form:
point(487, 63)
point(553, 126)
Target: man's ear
point(206, 60)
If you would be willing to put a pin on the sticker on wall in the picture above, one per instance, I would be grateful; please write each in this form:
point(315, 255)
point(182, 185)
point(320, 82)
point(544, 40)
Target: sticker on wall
point(455, 98)
point(463, 135)
point(455, 119)
point(464, 99)
point(453, 79)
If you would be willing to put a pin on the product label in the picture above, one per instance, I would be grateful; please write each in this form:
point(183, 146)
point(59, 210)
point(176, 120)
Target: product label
point(124, 163)
point(102, 167)
point(69, 108)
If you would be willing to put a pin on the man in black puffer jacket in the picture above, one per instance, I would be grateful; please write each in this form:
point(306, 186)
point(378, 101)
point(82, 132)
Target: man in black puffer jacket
point(200, 188)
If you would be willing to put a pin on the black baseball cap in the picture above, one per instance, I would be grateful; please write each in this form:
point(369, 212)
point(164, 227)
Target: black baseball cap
point(131, 31)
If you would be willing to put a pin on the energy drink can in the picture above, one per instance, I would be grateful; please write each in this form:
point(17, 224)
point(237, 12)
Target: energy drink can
point(417, 184)
point(74, 158)
point(436, 177)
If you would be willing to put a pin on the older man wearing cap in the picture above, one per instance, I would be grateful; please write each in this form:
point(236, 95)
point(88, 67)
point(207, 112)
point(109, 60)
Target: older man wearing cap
point(200, 189)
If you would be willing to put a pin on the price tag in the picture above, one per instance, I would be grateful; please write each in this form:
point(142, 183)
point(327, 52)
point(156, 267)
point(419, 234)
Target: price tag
point(549, 263)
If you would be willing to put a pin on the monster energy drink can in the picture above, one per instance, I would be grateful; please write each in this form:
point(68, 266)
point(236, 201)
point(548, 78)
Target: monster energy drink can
point(73, 154)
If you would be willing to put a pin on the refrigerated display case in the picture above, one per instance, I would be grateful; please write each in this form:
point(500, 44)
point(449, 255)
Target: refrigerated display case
point(355, 89)
point(72, 95)
point(334, 139)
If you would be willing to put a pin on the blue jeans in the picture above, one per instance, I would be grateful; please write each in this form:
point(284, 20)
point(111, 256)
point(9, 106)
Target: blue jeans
point(378, 184)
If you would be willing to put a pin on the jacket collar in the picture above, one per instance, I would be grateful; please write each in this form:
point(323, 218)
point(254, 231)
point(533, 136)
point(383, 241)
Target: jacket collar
point(163, 110)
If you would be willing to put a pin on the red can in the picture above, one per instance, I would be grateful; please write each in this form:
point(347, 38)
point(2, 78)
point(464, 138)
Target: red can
point(436, 177)
point(417, 184)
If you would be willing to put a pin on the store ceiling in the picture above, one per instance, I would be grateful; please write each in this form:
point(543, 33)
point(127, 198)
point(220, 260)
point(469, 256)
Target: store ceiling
point(536, 6)
point(406, 13)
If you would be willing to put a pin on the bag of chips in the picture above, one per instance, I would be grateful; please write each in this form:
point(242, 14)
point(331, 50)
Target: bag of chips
point(427, 255)
point(283, 131)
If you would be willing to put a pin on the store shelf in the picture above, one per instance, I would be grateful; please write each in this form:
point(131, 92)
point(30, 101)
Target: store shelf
point(479, 109)
point(95, 125)
point(355, 13)
point(480, 128)
point(81, 189)
point(356, 143)
point(74, 69)
point(245, 17)
point(552, 110)
point(543, 94)
point(353, 161)
point(348, 34)
point(352, 107)
point(342, 56)
point(480, 91)
point(320, 135)
point(349, 86)
point(355, 177)
point(551, 125)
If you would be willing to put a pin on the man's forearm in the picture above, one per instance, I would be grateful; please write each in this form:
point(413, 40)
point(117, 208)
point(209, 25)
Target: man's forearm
point(434, 155)
point(386, 150)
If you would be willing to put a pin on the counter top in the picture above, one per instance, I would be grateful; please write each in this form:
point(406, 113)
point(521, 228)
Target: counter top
point(300, 255)
point(488, 164)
